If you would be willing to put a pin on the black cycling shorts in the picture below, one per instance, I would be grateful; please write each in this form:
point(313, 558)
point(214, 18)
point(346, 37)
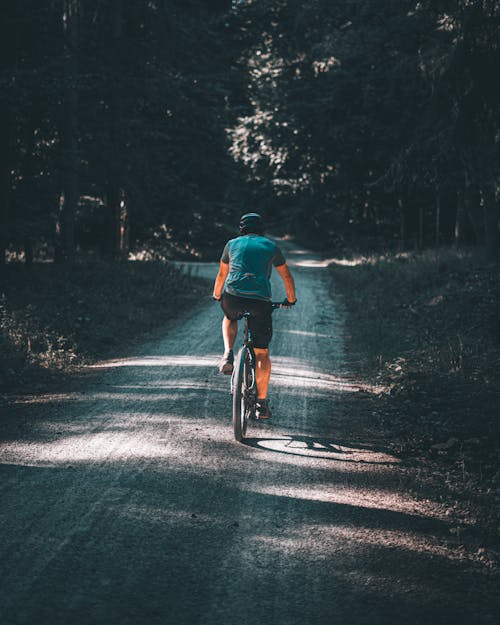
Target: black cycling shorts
point(260, 323)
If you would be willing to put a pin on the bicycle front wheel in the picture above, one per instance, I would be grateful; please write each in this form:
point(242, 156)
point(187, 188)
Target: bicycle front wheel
point(240, 409)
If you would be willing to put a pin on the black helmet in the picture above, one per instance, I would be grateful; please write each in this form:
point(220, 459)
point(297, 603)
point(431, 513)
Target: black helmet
point(251, 222)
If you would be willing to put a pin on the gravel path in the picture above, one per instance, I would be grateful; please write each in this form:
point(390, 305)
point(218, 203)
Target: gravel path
point(131, 503)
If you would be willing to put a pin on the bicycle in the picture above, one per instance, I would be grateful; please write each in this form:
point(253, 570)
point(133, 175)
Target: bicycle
point(243, 380)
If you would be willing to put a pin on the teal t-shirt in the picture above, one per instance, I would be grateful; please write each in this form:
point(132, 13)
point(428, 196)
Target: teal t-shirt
point(251, 258)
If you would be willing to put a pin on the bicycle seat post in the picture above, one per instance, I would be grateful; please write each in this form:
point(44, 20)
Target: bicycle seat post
point(247, 335)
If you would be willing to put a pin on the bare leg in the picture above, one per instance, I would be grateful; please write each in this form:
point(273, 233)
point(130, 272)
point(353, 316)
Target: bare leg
point(263, 371)
point(229, 332)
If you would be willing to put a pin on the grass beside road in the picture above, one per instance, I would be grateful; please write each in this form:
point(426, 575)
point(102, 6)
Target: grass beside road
point(426, 326)
point(54, 319)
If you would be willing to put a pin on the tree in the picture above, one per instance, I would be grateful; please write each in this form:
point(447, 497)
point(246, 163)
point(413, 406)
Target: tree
point(8, 55)
point(157, 122)
point(69, 132)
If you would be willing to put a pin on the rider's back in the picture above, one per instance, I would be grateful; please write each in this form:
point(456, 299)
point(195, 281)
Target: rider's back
point(250, 259)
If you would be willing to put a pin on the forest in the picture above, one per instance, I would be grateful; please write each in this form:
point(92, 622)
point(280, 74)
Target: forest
point(143, 129)
point(133, 136)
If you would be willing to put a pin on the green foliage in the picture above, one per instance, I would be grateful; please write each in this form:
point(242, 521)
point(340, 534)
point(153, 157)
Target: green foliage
point(341, 121)
point(357, 108)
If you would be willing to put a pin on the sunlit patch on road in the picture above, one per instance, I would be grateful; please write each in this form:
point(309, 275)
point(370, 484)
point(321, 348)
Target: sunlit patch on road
point(305, 333)
point(194, 360)
point(318, 263)
point(310, 263)
point(295, 373)
point(314, 263)
point(372, 499)
point(338, 539)
point(119, 437)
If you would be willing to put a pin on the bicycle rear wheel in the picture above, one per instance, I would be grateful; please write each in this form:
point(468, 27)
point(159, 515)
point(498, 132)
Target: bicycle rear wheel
point(241, 407)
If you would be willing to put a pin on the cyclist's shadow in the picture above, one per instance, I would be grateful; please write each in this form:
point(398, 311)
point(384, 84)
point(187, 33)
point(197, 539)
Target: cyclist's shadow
point(317, 447)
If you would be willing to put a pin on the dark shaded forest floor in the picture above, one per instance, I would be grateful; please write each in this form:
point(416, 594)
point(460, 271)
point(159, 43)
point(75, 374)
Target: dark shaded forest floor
point(55, 319)
point(425, 329)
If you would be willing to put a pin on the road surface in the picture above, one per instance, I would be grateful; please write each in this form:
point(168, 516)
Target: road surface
point(130, 503)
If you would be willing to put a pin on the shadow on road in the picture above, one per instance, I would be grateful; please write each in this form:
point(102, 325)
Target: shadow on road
point(324, 448)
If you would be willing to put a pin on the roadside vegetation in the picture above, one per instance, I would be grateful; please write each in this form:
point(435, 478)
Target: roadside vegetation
point(425, 327)
point(54, 319)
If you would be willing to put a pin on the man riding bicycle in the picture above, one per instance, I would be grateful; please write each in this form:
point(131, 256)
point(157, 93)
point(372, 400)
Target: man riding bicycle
point(242, 285)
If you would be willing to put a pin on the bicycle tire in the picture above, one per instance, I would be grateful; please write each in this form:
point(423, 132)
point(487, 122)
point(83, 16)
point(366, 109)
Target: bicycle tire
point(239, 407)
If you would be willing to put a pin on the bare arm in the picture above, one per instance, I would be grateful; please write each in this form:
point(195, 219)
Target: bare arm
point(220, 279)
point(287, 278)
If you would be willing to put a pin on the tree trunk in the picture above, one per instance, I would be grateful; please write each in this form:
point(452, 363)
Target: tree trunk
point(5, 181)
point(30, 197)
point(491, 217)
point(437, 231)
point(28, 252)
point(420, 226)
point(69, 134)
point(402, 225)
point(460, 220)
point(115, 195)
point(124, 229)
point(8, 62)
point(487, 184)
point(474, 210)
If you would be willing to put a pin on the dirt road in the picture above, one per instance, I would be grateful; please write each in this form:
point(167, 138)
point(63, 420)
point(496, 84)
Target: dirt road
point(131, 503)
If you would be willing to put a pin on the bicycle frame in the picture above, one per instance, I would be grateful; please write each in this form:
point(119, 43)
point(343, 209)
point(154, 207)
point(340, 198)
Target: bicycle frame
point(244, 381)
point(248, 343)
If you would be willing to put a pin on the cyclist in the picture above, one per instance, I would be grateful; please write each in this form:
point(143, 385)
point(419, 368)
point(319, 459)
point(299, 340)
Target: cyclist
point(242, 285)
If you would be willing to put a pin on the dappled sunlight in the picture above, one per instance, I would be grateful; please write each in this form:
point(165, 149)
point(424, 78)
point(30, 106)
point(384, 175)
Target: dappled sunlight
point(372, 498)
point(285, 376)
point(48, 398)
point(310, 263)
point(68, 450)
point(344, 262)
point(287, 372)
point(339, 538)
point(110, 445)
point(294, 373)
point(151, 391)
point(146, 396)
point(127, 438)
point(154, 386)
point(305, 333)
point(319, 263)
point(375, 518)
point(159, 361)
point(340, 530)
point(295, 252)
point(409, 541)
point(130, 436)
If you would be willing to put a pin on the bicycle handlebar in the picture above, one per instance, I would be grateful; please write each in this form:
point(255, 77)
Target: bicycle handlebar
point(284, 304)
point(275, 305)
